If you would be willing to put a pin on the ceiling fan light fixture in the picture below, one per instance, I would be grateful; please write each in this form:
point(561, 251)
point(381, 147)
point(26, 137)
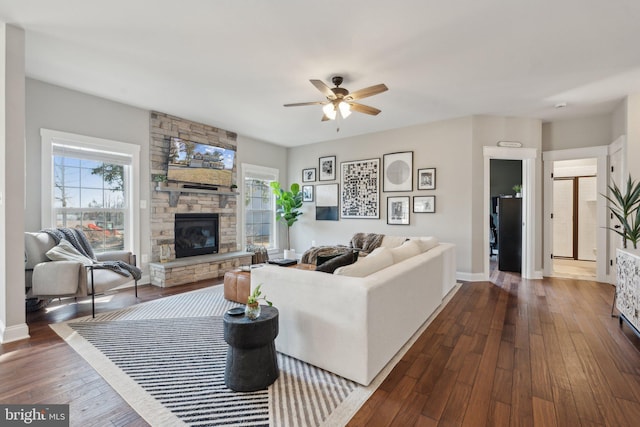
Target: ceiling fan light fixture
point(329, 110)
point(345, 109)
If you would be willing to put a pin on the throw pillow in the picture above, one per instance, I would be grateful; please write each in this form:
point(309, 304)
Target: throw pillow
point(65, 251)
point(337, 262)
point(407, 250)
point(321, 259)
point(375, 261)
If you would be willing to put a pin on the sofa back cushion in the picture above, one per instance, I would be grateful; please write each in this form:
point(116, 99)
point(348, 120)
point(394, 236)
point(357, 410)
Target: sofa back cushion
point(36, 246)
point(393, 241)
point(405, 251)
point(425, 243)
point(377, 260)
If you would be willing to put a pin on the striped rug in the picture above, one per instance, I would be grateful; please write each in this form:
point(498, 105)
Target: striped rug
point(167, 359)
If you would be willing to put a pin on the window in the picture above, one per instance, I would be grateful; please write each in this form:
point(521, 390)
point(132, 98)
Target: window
point(259, 207)
point(90, 183)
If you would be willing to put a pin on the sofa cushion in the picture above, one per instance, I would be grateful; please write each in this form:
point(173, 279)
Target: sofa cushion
point(393, 241)
point(338, 261)
point(426, 243)
point(377, 260)
point(35, 246)
point(65, 251)
point(405, 251)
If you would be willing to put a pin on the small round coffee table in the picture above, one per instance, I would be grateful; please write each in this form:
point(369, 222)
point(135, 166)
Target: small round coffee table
point(251, 357)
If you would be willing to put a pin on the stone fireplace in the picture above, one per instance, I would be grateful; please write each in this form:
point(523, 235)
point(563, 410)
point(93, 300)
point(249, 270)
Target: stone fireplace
point(174, 200)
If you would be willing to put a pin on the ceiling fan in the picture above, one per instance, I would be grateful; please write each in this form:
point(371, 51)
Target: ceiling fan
point(340, 102)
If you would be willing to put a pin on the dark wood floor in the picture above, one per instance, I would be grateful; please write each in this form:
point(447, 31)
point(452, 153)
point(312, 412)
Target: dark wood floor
point(507, 352)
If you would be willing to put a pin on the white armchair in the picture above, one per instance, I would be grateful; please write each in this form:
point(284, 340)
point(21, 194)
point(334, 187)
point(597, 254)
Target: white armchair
point(55, 279)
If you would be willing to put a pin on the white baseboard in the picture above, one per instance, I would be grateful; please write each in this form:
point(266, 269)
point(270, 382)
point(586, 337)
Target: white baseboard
point(470, 277)
point(537, 275)
point(13, 333)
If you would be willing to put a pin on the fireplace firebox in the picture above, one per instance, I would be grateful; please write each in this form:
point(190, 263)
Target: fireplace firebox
point(196, 234)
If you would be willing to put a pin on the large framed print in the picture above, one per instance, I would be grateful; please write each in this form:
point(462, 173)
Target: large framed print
point(424, 204)
point(398, 210)
point(309, 175)
point(427, 179)
point(327, 202)
point(327, 170)
point(398, 171)
point(360, 196)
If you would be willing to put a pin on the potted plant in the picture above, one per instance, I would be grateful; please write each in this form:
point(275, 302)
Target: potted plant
point(161, 179)
point(518, 189)
point(626, 208)
point(252, 309)
point(288, 205)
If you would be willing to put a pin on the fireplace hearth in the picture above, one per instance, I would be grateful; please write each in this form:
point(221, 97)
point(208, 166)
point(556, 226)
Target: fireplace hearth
point(196, 234)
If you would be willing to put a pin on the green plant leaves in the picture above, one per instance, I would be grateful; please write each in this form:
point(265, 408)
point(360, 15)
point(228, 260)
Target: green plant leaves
point(626, 208)
point(288, 204)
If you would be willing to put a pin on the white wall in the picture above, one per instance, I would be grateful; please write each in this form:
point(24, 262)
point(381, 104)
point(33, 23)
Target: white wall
point(454, 148)
point(487, 131)
point(444, 145)
point(260, 153)
point(12, 152)
point(577, 133)
point(633, 135)
point(56, 108)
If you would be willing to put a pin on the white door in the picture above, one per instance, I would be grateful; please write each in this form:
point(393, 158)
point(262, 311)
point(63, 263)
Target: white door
point(563, 218)
point(587, 218)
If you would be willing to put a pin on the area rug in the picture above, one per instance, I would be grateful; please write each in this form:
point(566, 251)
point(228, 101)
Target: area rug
point(166, 358)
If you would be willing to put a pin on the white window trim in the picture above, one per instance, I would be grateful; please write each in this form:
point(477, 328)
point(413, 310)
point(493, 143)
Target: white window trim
point(247, 169)
point(49, 137)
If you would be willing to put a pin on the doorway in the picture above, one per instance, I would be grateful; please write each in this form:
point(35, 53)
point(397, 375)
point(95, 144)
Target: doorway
point(529, 197)
point(505, 217)
point(601, 154)
point(574, 216)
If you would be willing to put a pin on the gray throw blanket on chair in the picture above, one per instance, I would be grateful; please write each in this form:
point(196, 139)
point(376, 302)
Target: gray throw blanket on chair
point(79, 241)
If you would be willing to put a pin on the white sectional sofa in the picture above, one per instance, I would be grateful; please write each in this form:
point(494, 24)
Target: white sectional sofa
point(353, 326)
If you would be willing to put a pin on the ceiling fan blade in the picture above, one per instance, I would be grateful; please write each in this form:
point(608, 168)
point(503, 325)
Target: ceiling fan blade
point(326, 90)
point(360, 108)
point(368, 91)
point(300, 104)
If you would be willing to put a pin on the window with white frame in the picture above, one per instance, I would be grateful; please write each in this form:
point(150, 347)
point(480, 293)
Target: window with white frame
point(259, 206)
point(90, 187)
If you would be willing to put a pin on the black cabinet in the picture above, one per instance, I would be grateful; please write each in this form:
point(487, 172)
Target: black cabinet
point(510, 234)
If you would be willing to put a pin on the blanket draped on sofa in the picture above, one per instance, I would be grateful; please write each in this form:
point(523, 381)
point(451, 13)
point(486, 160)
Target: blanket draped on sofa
point(364, 242)
point(80, 242)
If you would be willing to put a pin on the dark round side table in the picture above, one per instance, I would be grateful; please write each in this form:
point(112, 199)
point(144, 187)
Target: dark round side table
point(251, 357)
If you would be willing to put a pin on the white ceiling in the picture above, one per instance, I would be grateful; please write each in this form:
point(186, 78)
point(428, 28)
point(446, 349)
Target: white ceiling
point(234, 63)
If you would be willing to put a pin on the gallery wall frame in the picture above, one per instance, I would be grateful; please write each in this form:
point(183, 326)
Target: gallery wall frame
point(424, 204)
point(307, 193)
point(326, 202)
point(398, 210)
point(360, 196)
point(427, 179)
point(398, 171)
point(327, 168)
point(309, 175)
